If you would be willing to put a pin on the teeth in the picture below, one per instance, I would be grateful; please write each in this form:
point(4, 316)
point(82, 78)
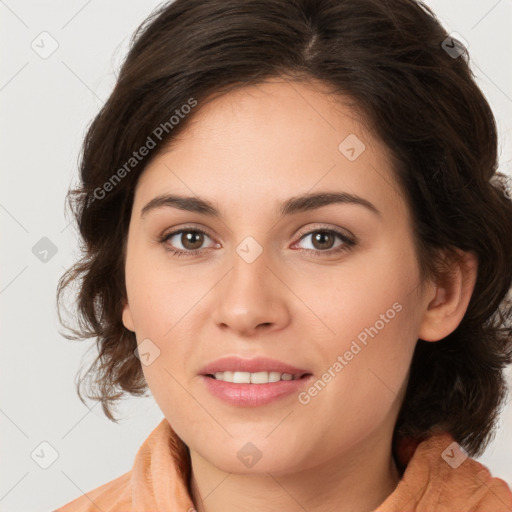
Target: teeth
point(253, 378)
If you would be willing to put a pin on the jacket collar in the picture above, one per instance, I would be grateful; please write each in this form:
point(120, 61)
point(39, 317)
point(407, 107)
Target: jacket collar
point(437, 476)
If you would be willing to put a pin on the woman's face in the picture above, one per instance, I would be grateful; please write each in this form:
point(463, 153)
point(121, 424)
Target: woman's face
point(260, 282)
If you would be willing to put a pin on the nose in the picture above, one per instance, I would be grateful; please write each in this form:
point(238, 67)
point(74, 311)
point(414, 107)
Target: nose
point(251, 298)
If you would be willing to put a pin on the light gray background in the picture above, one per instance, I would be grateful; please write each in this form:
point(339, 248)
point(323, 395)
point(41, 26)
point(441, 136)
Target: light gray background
point(46, 106)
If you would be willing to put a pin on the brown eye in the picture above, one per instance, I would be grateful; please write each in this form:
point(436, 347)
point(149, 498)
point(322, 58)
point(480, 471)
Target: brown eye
point(323, 240)
point(192, 240)
point(185, 241)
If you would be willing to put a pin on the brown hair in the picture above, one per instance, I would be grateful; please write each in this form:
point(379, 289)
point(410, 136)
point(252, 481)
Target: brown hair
point(391, 58)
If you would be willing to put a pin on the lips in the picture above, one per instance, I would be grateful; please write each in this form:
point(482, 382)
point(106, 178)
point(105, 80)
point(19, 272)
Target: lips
point(259, 364)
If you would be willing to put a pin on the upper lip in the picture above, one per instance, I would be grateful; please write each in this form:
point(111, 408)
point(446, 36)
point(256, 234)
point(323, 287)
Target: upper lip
point(257, 364)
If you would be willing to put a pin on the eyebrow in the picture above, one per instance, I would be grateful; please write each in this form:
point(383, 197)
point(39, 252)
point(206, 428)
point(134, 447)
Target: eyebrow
point(291, 206)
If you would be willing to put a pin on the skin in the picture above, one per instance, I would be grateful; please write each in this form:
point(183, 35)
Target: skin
point(247, 152)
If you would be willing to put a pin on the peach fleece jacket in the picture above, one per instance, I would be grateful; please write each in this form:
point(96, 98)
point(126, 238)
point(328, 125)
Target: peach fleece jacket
point(438, 477)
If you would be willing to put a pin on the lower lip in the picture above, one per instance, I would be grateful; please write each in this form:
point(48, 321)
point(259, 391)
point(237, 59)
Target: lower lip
point(253, 395)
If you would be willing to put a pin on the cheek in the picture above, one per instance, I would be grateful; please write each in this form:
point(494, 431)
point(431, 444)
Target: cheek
point(373, 322)
point(159, 296)
point(163, 304)
point(363, 305)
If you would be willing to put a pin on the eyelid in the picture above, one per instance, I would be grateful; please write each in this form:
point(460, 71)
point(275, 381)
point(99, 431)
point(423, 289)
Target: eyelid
point(174, 231)
point(348, 238)
point(344, 233)
point(300, 234)
point(186, 227)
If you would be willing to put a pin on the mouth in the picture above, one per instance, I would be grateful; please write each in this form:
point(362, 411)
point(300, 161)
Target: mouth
point(257, 388)
point(258, 370)
point(255, 382)
point(263, 377)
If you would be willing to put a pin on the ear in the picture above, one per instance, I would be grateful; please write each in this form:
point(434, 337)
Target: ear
point(127, 317)
point(445, 310)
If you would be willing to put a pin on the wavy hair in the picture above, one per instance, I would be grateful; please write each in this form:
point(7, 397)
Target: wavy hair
point(415, 88)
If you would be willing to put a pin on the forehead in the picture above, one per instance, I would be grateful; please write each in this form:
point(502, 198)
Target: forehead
point(259, 145)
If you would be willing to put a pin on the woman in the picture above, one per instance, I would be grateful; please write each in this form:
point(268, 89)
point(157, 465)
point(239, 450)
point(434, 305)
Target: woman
point(297, 239)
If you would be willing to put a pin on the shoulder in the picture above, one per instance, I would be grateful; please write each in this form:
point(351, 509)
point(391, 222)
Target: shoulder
point(155, 461)
point(440, 476)
point(114, 496)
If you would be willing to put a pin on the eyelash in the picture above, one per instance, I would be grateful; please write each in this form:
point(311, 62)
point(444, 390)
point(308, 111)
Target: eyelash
point(346, 246)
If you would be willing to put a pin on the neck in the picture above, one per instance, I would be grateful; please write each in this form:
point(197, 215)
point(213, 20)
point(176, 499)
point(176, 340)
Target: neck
point(358, 481)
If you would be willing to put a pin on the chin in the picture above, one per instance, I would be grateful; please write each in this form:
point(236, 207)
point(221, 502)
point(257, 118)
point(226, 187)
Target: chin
point(273, 464)
point(259, 456)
